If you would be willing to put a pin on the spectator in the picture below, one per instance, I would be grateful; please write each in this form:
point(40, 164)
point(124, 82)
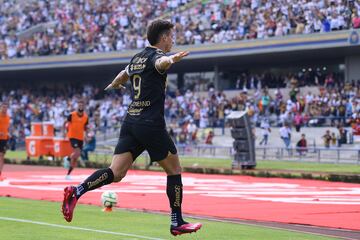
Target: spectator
point(327, 139)
point(90, 145)
point(209, 138)
point(342, 135)
point(285, 134)
point(192, 132)
point(265, 102)
point(182, 138)
point(12, 142)
point(356, 20)
point(301, 145)
point(265, 128)
point(298, 120)
point(333, 140)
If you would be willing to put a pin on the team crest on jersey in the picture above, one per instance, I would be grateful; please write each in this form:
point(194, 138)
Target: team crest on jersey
point(139, 60)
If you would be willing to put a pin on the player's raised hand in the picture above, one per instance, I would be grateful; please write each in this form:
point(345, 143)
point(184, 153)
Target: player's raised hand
point(180, 55)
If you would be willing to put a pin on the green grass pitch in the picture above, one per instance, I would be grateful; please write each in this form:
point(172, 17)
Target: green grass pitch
point(41, 220)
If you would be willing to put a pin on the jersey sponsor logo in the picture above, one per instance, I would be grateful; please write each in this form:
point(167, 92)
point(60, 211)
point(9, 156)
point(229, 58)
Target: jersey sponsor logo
point(140, 104)
point(138, 64)
point(135, 111)
point(137, 67)
point(136, 107)
point(139, 60)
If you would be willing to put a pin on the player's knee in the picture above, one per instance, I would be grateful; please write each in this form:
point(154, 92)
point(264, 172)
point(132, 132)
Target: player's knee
point(178, 170)
point(78, 151)
point(76, 154)
point(118, 172)
point(118, 175)
point(174, 171)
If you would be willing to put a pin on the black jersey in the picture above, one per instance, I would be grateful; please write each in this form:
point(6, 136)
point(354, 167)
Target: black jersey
point(147, 89)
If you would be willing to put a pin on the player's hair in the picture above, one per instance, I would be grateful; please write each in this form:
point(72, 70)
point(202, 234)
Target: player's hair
point(156, 29)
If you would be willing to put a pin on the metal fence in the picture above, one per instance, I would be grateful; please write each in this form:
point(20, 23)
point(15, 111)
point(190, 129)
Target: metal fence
point(311, 154)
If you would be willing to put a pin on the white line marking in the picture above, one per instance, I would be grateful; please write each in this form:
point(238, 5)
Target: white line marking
point(77, 228)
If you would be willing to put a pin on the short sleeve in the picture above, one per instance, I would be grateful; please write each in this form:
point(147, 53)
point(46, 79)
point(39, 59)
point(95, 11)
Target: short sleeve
point(158, 54)
point(127, 70)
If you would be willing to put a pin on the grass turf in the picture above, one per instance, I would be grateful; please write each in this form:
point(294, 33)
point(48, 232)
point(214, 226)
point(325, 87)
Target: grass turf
point(119, 221)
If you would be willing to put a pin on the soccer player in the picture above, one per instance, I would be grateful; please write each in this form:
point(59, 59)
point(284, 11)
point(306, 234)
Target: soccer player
point(4, 134)
point(77, 123)
point(144, 127)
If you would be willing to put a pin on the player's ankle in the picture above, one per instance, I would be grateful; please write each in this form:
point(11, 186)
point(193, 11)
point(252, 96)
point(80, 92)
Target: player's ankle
point(177, 220)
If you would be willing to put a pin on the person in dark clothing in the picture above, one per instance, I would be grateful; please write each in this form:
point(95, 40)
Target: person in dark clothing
point(301, 145)
point(144, 126)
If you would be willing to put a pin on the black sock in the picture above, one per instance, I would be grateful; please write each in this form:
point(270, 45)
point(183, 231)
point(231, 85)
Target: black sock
point(174, 191)
point(70, 170)
point(97, 179)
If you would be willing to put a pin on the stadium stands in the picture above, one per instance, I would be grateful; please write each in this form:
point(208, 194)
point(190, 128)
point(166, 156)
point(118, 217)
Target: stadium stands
point(330, 105)
point(108, 25)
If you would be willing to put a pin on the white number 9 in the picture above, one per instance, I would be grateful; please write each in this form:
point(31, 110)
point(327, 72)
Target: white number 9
point(137, 86)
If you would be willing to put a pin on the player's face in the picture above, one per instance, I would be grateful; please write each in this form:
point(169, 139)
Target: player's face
point(169, 40)
point(3, 108)
point(80, 107)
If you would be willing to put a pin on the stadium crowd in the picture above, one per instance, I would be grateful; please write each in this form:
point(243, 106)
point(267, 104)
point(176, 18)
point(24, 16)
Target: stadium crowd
point(305, 77)
point(189, 111)
point(86, 26)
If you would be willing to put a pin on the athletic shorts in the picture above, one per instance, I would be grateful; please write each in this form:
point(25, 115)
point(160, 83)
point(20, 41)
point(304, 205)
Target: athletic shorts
point(136, 138)
point(76, 143)
point(3, 146)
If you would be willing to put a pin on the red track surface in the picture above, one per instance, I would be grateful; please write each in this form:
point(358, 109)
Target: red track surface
point(310, 202)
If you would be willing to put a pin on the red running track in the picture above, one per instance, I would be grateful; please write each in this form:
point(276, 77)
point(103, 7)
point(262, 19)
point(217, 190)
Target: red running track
point(308, 202)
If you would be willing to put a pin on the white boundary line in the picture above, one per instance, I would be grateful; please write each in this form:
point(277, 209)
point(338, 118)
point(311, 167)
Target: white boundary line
point(272, 227)
point(243, 222)
point(77, 228)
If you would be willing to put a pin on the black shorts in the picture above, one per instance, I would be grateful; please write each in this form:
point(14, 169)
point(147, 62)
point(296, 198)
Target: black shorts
point(136, 138)
point(3, 146)
point(76, 143)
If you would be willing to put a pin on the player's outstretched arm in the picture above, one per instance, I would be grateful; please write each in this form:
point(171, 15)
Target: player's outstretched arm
point(164, 63)
point(118, 81)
